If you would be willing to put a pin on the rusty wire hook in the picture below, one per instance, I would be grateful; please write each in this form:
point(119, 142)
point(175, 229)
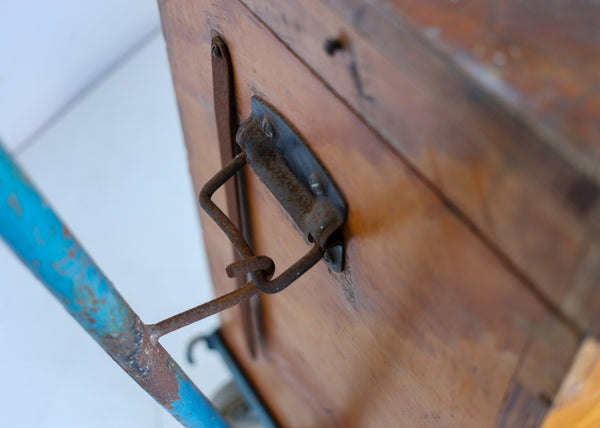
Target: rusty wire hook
point(259, 271)
point(260, 268)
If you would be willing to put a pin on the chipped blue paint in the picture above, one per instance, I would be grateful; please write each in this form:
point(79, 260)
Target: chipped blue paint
point(48, 249)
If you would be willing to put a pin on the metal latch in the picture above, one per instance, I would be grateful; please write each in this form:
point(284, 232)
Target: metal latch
point(291, 171)
point(287, 166)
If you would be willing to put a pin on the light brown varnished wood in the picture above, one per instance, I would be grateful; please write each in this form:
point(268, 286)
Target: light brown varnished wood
point(495, 103)
point(426, 326)
point(577, 404)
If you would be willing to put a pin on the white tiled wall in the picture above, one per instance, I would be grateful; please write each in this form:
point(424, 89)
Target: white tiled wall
point(115, 170)
point(50, 51)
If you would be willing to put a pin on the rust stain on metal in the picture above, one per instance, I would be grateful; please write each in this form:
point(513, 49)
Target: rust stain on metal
point(147, 363)
point(66, 233)
point(251, 264)
point(13, 203)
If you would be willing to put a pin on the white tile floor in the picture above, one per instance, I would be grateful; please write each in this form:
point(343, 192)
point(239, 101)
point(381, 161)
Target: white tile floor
point(114, 168)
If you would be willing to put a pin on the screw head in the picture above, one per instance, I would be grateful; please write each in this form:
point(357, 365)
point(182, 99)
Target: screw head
point(315, 184)
point(216, 52)
point(267, 127)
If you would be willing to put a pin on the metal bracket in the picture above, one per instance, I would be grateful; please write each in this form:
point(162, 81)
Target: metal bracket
point(289, 168)
point(227, 125)
point(298, 180)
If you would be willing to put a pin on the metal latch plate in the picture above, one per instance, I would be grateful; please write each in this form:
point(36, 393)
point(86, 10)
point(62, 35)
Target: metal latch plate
point(289, 168)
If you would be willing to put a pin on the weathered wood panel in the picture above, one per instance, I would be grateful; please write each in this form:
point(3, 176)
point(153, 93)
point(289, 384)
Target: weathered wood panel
point(427, 326)
point(495, 103)
point(547, 54)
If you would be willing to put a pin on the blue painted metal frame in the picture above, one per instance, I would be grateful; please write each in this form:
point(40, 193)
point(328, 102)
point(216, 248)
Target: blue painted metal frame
point(48, 249)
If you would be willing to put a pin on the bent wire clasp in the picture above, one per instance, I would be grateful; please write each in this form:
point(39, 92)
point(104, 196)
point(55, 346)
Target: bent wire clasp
point(294, 175)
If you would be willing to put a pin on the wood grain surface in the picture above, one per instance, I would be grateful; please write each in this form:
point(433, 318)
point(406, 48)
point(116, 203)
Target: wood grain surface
point(495, 103)
point(427, 326)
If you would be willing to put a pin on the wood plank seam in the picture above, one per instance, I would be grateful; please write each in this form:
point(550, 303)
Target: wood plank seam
point(585, 165)
point(502, 414)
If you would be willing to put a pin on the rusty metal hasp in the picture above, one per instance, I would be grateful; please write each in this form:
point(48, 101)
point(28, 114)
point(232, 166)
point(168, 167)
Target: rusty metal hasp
point(291, 171)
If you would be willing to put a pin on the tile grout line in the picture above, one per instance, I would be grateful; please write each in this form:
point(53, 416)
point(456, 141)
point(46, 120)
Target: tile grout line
point(30, 140)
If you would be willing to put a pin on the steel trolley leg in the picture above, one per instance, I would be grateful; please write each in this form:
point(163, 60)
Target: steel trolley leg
point(48, 249)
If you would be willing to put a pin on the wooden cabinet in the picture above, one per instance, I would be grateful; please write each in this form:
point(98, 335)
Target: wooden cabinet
point(464, 147)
